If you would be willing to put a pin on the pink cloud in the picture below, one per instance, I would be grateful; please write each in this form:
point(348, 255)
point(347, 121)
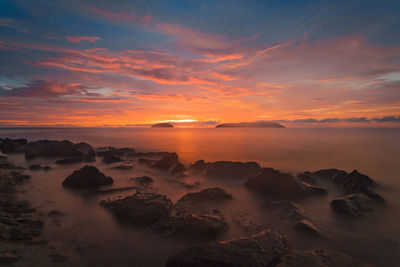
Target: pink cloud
point(78, 39)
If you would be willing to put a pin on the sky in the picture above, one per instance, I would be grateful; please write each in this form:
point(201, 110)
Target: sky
point(198, 63)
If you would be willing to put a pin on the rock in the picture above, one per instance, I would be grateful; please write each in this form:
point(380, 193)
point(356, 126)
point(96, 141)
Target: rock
point(46, 168)
point(108, 159)
point(147, 162)
point(319, 258)
point(231, 170)
point(202, 226)
point(308, 227)
point(162, 125)
point(354, 204)
point(328, 174)
point(198, 166)
point(8, 145)
point(88, 176)
point(8, 257)
point(58, 257)
point(307, 177)
point(285, 209)
point(201, 201)
point(55, 214)
point(142, 180)
point(247, 224)
point(276, 185)
point(117, 152)
point(149, 154)
point(313, 189)
point(123, 167)
point(113, 190)
point(140, 209)
point(34, 223)
point(263, 249)
point(17, 207)
point(35, 167)
point(178, 169)
point(63, 149)
point(70, 160)
point(166, 162)
point(355, 182)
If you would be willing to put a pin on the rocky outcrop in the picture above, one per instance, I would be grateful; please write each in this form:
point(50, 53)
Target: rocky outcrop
point(199, 226)
point(354, 205)
point(140, 209)
point(87, 177)
point(63, 149)
point(166, 162)
point(268, 248)
point(201, 201)
point(198, 166)
point(8, 145)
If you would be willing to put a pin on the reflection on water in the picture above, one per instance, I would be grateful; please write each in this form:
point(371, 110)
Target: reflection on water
point(91, 231)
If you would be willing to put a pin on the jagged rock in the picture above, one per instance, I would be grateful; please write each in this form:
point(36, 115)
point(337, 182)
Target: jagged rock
point(140, 209)
point(201, 226)
point(355, 182)
point(329, 174)
point(8, 145)
point(285, 209)
point(263, 249)
point(149, 154)
point(108, 159)
point(88, 176)
point(35, 167)
point(178, 169)
point(244, 221)
point(307, 177)
point(313, 189)
point(63, 149)
point(70, 160)
point(198, 166)
point(276, 185)
point(166, 162)
point(308, 227)
point(354, 204)
point(201, 201)
point(230, 169)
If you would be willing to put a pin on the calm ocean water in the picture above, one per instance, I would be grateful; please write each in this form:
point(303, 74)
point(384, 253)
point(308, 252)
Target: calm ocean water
point(91, 231)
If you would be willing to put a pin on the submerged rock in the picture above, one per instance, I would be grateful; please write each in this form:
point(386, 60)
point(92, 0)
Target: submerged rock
point(201, 226)
point(178, 169)
point(123, 167)
point(140, 209)
point(86, 177)
point(201, 201)
point(354, 205)
point(198, 166)
point(108, 159)
point(166, 162)
point(230, 169)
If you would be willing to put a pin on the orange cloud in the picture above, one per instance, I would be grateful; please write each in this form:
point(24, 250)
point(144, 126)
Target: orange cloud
point(78, 39)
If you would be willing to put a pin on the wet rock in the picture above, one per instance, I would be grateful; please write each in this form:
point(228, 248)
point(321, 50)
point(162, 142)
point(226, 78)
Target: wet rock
point(70, 160)
point(88, 176)
point(113, 190)
point(244, 221)
point(231, 170)
point(198, 166)
point(285, 209)
point(22, 232)
point(276, 185)
point(201, 226)
point(8, 145)
point(142, 180)
point(63, 149)
point(308, 227)
point(55, 214)
point(140, 209)
point(319, 258)
point(108, 159)
point(329, 174)
point(355, 182)
point(201, 201)
point(313, 189)
point(354, 205)
point(149, 154)
point(31, 222)
point(307, 177)
point(18, 207)
point(35, 167)
point(166, 162)
point(147, 162)
point(263, 249)
point(178, 169)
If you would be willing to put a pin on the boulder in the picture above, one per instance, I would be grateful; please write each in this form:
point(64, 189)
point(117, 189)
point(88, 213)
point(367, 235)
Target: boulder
point(230, 169)
point(354, 182)
point(285, 209)
point(308, 227)
point(354, 205)
point(87, 152)
point(108, 159)
point(307, 177)
point(246, 223)
point(200, 226)
point(86, 177)
point(198, 166)
point(328, 174)
point(276, 185)
point(140, 209)
point(201, 201)
point(313, 189)
point(263, 249)
point(166, 162)
point(178, 169)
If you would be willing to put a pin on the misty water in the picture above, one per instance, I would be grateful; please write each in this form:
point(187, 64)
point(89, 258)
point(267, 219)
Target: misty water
point(91, 232)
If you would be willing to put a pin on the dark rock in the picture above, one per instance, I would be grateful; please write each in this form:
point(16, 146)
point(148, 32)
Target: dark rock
point(147, 162)
point(329, 174)
point(313, 189)
point(58, 257)
point(285, 209)
point(201, 201)
point(149, 154)
point(202, 226)
point(47, 168)
point(162, 125)
point(142, 180)
point(166, 162)
point(13, 145)
point(33, 223)
point(198, 166)
point(88, 176)
point(308, 227)
point(178, 169)
point(55, 214)
point(354, 205)
point(355, 182)
point(113, 190)
point(229, 169)
point(140, 209)
point(275, 185)
point(244, 221)
point(307, 177)
point(263, 249)
point(35, 167)
point(87, 152)
point(17, 207)
point(70, 160)
point(123, 167)
point(108, 159)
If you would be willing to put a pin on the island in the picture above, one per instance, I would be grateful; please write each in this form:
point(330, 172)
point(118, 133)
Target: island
point(258, 124)
point(162, 125)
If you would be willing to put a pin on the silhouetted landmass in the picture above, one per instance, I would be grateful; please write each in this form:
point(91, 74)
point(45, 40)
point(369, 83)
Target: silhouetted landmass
point(162, 125)
point(251, 125)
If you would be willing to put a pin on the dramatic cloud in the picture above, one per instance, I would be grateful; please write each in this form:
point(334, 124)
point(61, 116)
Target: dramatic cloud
point(78, 39)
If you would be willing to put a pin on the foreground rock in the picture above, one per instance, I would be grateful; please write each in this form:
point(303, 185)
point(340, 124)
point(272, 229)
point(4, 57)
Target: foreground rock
point(194, 227)
point(140, 209)
point(87, 177)
point(268, 248)
point(201, 201)
point(278, 186)
point(354, 205)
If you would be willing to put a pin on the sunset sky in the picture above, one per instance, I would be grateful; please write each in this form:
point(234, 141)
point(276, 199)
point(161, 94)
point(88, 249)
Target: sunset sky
point(199, 63)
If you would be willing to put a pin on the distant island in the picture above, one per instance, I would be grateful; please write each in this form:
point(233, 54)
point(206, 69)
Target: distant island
point(162, 125)
point(251, 125)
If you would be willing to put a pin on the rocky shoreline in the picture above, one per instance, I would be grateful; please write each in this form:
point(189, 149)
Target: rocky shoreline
point(195, 217)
